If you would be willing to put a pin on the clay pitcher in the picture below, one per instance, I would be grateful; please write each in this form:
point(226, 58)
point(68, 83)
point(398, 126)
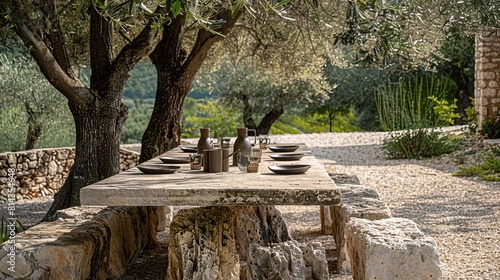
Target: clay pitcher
point(242, 143)
point(204, 141)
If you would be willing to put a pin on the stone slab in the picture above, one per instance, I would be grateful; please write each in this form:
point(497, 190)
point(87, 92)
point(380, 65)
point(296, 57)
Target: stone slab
point(198, 188)
point(81, 243)
point(393, 248)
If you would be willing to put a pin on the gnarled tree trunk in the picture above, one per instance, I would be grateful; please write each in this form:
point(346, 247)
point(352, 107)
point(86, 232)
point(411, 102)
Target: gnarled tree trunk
point(98, 124)
point(176, 70)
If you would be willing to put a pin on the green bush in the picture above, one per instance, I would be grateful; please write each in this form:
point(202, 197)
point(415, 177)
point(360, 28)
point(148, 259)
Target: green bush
point(471, 117)
point(444, 110)
point(491, 127)
point(418, 143)
point(488, 170)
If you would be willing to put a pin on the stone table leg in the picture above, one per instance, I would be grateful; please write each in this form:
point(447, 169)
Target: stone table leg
point(216, 242)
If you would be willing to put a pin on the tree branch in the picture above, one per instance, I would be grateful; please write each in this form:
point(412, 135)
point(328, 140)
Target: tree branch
point(55, 35)
point(205, 41)
point(169, 48)
point(101, 37)
point(71, 88)
point(132, 53)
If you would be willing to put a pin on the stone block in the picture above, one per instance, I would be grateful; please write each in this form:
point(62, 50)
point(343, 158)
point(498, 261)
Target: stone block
point(393, 248)
point(202, 245)
point(357, 202)
point(487, 66)
point(32, 164)
point(52, 168)
point(490, 92)
point(214, 242)
point(62, 154)
point(480, 84)
point(315, 258)
point(287, 260)
point(282, 261)
point(82, 243)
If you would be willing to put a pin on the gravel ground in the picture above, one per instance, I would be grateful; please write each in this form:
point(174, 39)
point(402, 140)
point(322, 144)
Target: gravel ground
point(461, 214)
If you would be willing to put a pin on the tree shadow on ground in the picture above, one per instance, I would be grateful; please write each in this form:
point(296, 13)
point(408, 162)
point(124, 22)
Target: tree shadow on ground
point(437, 209)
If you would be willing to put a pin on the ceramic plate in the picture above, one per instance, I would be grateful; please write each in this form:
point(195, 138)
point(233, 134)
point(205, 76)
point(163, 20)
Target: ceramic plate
point(189, 149)
point(174, 160)
point(289, 156)
point(289, 169)
point(282, 148)
point(158, 169)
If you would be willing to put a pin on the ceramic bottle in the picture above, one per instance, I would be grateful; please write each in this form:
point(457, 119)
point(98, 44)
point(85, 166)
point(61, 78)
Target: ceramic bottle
point(204, 141)
point(242, 143)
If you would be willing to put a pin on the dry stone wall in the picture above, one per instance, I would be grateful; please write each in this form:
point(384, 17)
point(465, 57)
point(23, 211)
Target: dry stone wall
point(42, 172)
point(487, 74)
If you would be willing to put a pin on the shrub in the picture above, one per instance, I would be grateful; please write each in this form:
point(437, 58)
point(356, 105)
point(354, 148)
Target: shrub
point(491, 127)
point(418, 143)
point(488, 170)
point(444, 110)
point(471, 117)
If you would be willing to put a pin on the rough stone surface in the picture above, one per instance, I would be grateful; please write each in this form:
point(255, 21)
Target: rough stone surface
point(487, 79)
point(262, 225)
point(315, 259)
point(287, 260)
point(392, 248)
point(281, 261)
point(357, 202)
point(82, 243)
point(202, 245)
point(217, 239)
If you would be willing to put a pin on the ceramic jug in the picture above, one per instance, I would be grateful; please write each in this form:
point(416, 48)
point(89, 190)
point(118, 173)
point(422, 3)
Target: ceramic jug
point(242, 143)
point(204, 141)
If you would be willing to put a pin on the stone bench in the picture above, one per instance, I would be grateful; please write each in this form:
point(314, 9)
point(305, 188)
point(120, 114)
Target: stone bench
point(357, 202)
point(392, 248)
point(324, 211)
point(81, 243)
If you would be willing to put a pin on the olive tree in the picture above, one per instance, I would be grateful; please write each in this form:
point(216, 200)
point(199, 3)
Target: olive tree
point(270, 63)
point(23, 85)
point(97, 111)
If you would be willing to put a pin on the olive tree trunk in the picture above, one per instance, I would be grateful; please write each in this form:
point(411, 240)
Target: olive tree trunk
point(176, 70)
point(98, 126)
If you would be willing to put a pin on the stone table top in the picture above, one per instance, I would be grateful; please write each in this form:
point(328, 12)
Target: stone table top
point(188, 187)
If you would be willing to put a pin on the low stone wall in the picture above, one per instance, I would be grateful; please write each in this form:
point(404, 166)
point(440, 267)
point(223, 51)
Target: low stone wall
point(42, 172)
point(81, 243)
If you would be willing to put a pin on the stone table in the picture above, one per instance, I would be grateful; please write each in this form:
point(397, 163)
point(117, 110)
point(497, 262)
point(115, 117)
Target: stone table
point(222, 238)
point(197, 188)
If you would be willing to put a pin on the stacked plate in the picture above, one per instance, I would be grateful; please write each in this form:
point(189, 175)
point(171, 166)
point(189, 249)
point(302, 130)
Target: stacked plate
point(290, 169)
point(158, 169)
